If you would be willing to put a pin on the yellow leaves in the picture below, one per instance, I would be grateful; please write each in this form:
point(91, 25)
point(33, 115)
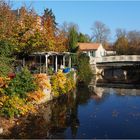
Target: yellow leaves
point(61, 78)
point(61, 84)
point(13, 105)
point(2, 82)
point(3, 99)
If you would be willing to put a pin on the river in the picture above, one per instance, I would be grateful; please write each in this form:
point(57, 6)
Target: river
point(102, 110)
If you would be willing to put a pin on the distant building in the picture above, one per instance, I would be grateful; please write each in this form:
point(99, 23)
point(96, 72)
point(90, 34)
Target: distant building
point(92, 49)
point(38, 19)
point(16, 12)
point(110, 51)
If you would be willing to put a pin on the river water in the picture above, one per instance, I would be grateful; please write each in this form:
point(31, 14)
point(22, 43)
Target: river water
point(100, 111)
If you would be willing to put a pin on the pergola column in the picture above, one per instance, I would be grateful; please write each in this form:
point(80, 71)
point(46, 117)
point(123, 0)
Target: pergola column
point(23, 62)
point(46, 62)
point(64, 60)
point(69, 61)
point(56, 63)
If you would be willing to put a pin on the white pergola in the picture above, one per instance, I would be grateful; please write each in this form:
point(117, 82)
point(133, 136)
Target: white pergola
point(55, 54)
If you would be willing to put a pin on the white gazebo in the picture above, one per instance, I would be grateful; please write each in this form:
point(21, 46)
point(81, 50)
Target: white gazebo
point(45, 60)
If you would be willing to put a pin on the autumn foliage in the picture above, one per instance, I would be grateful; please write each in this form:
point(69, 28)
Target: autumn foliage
point(23, 32)
point(29, 32)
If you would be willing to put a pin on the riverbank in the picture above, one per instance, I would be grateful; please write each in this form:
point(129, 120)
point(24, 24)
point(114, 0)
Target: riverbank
point(14, 107)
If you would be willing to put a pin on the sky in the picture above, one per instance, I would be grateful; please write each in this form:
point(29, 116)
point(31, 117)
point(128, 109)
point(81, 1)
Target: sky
point(115, 14)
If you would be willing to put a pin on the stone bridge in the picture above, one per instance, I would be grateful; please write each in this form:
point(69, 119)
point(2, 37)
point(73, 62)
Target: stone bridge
point(115, 59)
point(100, 63)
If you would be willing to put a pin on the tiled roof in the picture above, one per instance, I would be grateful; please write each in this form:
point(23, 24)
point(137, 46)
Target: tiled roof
point(88, 46)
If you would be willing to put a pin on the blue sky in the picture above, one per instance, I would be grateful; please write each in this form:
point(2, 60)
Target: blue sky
point(115, 14)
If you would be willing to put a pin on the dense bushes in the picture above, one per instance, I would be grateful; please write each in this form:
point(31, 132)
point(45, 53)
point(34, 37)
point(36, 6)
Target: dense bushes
point(13, 101)
point(84, 69)
point(61, 83)
point(18, 95)
point(12, 106)
point(23, 82)
point(43, 83)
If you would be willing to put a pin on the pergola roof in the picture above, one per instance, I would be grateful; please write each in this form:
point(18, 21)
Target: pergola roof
point(52, 53)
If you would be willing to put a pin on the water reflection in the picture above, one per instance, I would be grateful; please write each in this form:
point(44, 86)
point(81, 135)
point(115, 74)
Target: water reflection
point(99, 111)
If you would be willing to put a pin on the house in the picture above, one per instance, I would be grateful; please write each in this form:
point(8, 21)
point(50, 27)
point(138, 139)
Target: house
point(110, 51)
point(92, 49)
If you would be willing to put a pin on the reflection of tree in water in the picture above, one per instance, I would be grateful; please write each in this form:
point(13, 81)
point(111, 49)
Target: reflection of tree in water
point(72, 116)
point(65, 111)
point(83, 95)
point(53, 118)
point(64, 114)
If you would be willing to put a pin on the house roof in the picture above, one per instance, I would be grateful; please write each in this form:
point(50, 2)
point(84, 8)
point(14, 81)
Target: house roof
point(88, 46)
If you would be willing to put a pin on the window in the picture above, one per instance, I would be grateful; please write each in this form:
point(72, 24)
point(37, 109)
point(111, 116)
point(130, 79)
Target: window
point(92, 53)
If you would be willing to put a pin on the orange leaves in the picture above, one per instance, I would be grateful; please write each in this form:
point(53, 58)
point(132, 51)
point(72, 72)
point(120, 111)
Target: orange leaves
point(7, 21)
point(4, 82)
point(30, 32)
point(35, 96)
point(3, 99)
point(42, 81)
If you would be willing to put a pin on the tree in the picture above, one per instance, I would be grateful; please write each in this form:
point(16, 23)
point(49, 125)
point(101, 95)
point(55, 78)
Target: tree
point(28, 36)
point(121, 45)
point(120, 32)
point(48, 13)
point(6, 50)
point(83, 38)
point(84, 69)
point(134, 41)
point(54, 39)
point(7, 22)
point(70, 32)
point(65, 28)
point(100, 32)
point(73, 39)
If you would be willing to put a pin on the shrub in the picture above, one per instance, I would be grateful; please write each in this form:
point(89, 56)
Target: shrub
point(61, 84)
point(50, 71)
point(84, 69)
point(70, 84)
point(4, 82)
point(12, 106)
point(6, 50)
point(35, 96)
point(42, 81)
point(58, 81)
point(23, 82)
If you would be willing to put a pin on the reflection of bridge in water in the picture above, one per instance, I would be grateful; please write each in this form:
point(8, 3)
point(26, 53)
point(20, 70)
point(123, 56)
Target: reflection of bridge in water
point(100, 87)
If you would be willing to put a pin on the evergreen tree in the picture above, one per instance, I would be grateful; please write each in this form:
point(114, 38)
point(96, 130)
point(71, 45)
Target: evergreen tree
point(49, 14)
point(83, 38)
point(73, 39)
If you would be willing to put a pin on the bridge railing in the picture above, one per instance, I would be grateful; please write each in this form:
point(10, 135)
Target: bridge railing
point(120, 58)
